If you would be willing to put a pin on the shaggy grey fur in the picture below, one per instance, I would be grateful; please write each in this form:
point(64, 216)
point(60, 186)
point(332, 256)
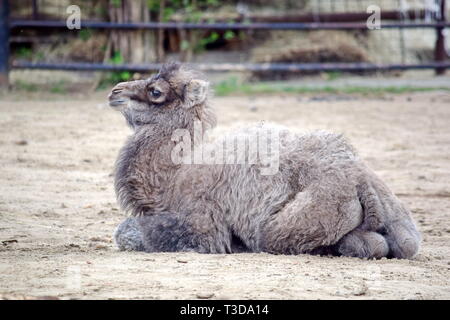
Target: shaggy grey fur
point(324, 199)
point(128, 235)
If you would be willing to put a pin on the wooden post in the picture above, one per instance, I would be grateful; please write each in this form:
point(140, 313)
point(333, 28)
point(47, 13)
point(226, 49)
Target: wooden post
point(440, 54)
point(4, 43)
point(135, 46)
point(35, 10)
point(160, 34)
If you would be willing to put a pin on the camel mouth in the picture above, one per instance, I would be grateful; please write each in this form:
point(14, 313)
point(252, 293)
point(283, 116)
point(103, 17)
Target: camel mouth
point(117, 103)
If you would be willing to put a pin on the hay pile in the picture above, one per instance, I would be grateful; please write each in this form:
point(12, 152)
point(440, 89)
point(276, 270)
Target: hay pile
point(73, 49)
point(309, 47)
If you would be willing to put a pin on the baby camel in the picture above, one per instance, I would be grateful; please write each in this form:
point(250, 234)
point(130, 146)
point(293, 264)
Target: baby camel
point(322, 200)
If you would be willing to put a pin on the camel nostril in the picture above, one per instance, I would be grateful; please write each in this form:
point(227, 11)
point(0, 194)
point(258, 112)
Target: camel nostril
point(117, 91)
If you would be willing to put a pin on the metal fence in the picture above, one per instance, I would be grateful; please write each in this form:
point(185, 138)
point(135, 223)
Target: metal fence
point(346, 21)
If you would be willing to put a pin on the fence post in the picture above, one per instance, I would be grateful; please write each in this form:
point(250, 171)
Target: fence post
point(440, 53)
point(4, 43)
point(35, 10)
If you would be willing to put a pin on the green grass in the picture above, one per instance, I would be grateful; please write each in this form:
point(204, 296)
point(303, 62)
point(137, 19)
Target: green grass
point(56, 88)
point(26, 86)
point(232, 86)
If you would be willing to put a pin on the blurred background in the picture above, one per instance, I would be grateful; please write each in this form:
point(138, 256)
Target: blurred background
point(218, 42)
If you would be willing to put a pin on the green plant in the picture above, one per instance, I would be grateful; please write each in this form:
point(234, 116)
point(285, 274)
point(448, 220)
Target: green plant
point(213, 37)
point(191, 11)
point(25, 86)
point(333, 75)
point(40, 56)
point(116, 58)
point(85, 34)
point(24, 53)
point(116, 3)
point(118, 76)
point(115, 76)
point(153, 5)
point(228, 35)
point(58, 88)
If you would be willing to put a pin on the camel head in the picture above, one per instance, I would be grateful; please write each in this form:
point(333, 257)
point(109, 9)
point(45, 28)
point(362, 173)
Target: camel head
point(172, 99)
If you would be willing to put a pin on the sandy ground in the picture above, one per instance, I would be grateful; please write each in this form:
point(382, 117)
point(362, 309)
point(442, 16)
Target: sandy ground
point(58, 208)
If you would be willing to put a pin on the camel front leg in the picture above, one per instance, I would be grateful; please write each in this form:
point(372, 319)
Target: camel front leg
point(128, 235)
point(362, 244)
point(172, 232)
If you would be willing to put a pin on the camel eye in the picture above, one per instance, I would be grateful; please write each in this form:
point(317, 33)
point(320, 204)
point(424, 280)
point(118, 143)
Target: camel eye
point(155, 93)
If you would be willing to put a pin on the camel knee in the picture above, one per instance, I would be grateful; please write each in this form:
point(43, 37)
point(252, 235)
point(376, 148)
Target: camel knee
point(128, 236)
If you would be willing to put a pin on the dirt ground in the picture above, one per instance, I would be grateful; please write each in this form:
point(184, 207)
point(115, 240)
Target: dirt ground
point(58, 209)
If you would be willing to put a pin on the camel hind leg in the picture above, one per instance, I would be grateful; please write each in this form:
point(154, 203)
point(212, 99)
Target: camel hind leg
point(403, 239)
point(312, 220)
point(396, 241)
point(385, 214)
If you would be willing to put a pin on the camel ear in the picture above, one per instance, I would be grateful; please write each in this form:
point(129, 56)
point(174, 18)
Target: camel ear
point(196, 92)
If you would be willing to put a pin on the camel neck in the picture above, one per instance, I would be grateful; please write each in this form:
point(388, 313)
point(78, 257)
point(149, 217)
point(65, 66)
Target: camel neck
point(143, 169)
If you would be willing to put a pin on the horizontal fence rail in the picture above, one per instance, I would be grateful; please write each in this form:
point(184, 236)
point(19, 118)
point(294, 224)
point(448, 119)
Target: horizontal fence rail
point(225, 26)
point(255, 67)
